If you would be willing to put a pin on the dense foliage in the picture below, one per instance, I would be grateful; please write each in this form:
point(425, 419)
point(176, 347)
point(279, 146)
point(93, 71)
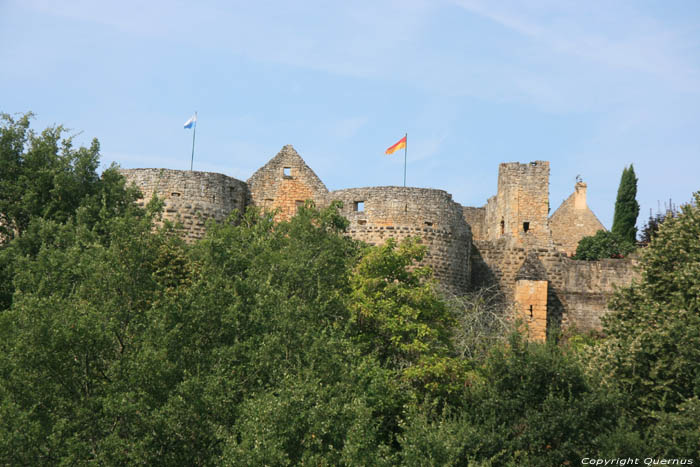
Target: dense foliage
point(651, 228)
point(626, 207)
point(289, 343)
point(602, 245)
point(654, 345)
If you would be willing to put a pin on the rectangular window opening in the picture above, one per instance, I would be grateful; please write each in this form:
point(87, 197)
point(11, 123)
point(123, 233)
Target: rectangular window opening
point(526, 226)
point(428, 223)
point(359, 206)
point(175, 194)
point(530, 311)
point(287, 171)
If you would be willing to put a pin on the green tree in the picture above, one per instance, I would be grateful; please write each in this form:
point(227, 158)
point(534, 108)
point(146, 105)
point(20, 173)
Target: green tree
point(43, 175)
point(653, 352)
point(46, 182)
point(394, 308)
point(527, 404)
point(70, 340)
point(603, 244)
point(123, 345)
point(652, 225)
point(626, 207)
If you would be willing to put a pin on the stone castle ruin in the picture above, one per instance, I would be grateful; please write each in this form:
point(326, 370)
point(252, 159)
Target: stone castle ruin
point(510, 243)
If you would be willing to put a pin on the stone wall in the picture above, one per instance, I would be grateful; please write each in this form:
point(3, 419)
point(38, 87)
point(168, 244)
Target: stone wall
point(476, 218)
point(190, 197)
point(578, 291)
point(573, 220)
point(379, 213)
point(520, 208)
point(587, 286)
point(284, 183)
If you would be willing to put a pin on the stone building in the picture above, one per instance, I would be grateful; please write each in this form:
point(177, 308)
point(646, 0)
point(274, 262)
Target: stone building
point(510, 243)
point(285, 183)
point(573, 221)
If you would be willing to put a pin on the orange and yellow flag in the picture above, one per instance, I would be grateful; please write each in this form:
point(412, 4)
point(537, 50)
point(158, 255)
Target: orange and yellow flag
point(399, 145)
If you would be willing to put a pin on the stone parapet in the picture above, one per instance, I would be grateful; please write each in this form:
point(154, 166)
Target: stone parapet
point(578, 291)
point(190, 197)
point(378, 213)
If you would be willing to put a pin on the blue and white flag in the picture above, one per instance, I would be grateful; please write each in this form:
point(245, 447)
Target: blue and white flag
point(191, 122)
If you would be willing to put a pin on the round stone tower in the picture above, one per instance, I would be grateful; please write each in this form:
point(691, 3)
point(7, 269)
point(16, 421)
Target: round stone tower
point(190, 198)
point(378, 213)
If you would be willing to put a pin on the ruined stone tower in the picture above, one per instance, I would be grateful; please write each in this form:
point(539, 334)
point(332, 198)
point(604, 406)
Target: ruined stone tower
point(190, 198)
point(520, 208)
point(383, 212)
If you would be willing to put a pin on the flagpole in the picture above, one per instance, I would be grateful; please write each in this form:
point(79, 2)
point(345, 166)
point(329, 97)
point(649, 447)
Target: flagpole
point(405, 151)
point(194, 132)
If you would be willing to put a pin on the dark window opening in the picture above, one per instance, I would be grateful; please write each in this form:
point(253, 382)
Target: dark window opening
point(526, 226)
point(287, 171)
point(362, 222)
point(530, 311)
point(428, 223)
point(175, 194)
point(503, 226)
point(359, 206)
point(213, 198)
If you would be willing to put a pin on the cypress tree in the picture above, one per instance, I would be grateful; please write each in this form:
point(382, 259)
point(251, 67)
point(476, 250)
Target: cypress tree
point(626, 207)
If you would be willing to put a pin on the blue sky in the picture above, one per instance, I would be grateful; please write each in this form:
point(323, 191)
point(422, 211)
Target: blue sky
point(590, 86)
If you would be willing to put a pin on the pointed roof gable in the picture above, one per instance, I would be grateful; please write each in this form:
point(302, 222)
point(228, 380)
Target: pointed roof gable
point(284, 183)
point(576, 205)
point(532, 269)
point(573, 220)
point(287, 157)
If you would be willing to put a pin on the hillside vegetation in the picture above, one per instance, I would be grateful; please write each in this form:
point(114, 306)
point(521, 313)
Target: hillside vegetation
point(291, 344)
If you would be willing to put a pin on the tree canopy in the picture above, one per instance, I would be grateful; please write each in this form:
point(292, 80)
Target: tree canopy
point(290, 343)
point(602, 245)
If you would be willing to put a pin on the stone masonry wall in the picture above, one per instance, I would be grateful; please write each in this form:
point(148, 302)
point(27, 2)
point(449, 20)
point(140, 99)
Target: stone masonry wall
point(578, 291)
point(284, 183)
point(190, 197)
point(587, 286)
point(521, 206)
point(379, 213)
point(476, 218)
